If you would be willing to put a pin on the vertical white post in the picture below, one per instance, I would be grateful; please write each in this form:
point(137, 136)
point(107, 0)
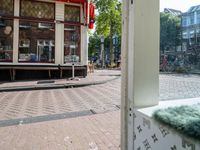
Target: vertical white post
point(84, 45)
point(59, 33)
point(73, 69)
point(84, 40)
point(140, 62)
point(16, 32)
point(143, 49)
point(124, 83)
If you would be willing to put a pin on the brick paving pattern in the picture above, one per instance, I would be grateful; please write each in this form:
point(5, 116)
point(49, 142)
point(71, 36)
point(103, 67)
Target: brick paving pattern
point(96, 132)
point(176, 86)
point(93, 132)
point(99, 98)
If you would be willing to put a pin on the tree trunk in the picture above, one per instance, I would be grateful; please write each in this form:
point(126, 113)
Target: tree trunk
point(111, 50)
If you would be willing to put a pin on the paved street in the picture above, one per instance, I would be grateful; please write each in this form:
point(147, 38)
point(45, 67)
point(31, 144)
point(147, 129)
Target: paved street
point(179, 86)
point(30, 114)
point(99, 98)
point(96, 132)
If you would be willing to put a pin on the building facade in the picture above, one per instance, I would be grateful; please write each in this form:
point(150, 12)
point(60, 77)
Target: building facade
point(191, 28)
point(173, 12)
point(43, 33)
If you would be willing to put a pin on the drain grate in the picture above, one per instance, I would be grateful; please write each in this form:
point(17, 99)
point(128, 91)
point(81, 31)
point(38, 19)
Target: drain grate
point(93, 112)
point(45, 82)
point(118, 106)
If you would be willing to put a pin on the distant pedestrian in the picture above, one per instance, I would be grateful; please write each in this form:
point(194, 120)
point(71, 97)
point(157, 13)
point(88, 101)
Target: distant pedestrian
point(164, 63)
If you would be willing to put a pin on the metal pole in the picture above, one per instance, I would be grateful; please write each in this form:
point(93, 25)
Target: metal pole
point(102, 52)
point(73, 71)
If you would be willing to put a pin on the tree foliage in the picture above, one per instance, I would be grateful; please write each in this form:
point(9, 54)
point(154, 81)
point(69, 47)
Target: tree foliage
point(108, 20)
point(94, 44)
point(170, 31)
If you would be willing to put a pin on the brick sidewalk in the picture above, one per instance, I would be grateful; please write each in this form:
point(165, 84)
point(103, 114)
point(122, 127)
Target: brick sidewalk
point(97, 76)
point(96, 132)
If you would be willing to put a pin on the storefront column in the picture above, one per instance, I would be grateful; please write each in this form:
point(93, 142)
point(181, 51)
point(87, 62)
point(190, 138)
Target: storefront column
point(140, 54)
point(84, 39)
point(16, 32)
point(59, 34)
point(84, 45)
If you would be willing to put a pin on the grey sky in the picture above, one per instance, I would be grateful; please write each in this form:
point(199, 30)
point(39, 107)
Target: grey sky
point(182, 5)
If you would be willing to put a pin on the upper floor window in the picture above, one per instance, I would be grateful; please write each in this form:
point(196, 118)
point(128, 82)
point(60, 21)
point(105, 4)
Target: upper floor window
point(191, 18)
point(72, 13)
point(7, 7)
point(184, 21)
point(37, 9)
point(198, 17)
point(185, 35)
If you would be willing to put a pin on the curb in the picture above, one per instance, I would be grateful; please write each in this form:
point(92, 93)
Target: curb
point(54, 86)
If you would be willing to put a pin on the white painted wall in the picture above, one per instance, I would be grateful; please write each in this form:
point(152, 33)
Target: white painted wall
point(16, 32)
point(152, 135)
point(59, 33)
point(140, 62)
point(84, 45)
point(84, 40)
point(124, 83)
point(143, 53)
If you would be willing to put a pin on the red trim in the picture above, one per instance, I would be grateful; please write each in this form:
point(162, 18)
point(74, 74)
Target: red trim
point(91, 15)
point(2, 51)
point(6, 61)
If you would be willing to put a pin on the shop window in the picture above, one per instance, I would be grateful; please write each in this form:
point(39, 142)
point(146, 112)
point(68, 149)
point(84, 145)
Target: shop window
point(37, 9)
point(6, 40)
point(6, 7)
point(71, 44)
point(36, 42)
point(72, 13)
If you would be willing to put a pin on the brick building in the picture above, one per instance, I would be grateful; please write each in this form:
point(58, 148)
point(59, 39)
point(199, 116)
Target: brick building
point(43, 37)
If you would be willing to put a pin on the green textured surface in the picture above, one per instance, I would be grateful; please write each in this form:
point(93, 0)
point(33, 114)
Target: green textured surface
point(185, 119)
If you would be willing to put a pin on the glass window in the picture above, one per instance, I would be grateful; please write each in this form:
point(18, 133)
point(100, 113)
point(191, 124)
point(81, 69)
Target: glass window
point(36, 42)
point(184, 21)
point(192, 19)
point(72, 13)
point(198, 17)
point(37, 9)
point(6, 39)
point(185, 35)
point(6, 7)
point(71, 44)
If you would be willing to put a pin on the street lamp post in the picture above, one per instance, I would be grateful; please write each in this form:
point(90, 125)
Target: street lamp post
point(115, 47)
point(102, 52)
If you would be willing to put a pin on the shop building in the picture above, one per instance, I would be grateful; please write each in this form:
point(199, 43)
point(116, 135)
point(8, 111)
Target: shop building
point(43, 37)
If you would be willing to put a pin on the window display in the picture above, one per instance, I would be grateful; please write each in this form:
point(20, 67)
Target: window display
point(72, 13)
point(71, 44)
point(7, 7)
point(36, 42)
point(37, 9)
point(6, 40)
point(36, 39)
